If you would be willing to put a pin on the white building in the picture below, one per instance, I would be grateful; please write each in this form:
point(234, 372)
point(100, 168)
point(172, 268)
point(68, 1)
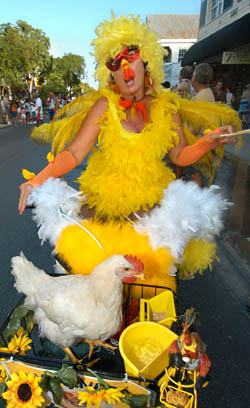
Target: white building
point(177, 33)
point(224, 42)
point(217, 14)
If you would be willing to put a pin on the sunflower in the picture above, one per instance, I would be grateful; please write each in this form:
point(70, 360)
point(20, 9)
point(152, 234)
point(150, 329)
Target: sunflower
point(23, 391)
point(19, 344)
point(3, 374)
point(91, 396)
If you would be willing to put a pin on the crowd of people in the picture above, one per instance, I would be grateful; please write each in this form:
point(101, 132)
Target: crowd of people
point(29, 110)
point(196, 84)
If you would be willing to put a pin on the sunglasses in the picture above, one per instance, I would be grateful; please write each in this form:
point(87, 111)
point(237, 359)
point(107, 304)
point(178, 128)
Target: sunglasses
point(129, 53)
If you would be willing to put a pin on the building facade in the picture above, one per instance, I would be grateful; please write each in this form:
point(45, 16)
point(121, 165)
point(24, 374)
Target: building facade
point(177, 33)
point(217, 14)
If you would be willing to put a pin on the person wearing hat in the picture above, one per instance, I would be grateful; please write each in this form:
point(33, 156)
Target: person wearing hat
point(134, 122)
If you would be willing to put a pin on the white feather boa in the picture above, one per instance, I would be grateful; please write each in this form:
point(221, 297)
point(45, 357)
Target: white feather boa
point(186, 211)
point(51, 200)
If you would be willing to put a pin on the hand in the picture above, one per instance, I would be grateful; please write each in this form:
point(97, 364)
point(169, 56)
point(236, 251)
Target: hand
point(216, 135)
point(25, 192)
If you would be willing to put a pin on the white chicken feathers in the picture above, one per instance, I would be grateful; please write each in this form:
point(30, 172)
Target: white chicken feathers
point(186, 211)
point(72, 307)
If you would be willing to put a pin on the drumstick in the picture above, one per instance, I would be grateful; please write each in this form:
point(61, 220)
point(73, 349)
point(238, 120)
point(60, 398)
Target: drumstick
point(241, 132)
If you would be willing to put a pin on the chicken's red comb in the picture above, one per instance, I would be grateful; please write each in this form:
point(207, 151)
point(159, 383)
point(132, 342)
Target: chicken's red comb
point(136, 262)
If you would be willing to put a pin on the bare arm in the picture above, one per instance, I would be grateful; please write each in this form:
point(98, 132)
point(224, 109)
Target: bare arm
point(79, 147)
point(88, 133)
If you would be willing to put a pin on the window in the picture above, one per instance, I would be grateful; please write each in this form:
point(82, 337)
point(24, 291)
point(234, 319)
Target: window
point(217, 8)
point(203, 13)
point(227, 4)
point(182, 52)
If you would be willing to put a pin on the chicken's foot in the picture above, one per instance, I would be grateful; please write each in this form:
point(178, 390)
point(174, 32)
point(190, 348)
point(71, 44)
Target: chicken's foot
point(71, 355)
point(93, 343)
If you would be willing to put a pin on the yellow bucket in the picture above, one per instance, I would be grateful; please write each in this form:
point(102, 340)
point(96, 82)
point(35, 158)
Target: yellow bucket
point(144, 349)
point(160, 309)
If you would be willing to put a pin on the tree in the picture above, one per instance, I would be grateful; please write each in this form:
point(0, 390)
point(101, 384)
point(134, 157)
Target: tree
point(24, 54)
point(71, 68)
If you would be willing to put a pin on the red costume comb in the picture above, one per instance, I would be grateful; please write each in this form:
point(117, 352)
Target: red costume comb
point(137, 264)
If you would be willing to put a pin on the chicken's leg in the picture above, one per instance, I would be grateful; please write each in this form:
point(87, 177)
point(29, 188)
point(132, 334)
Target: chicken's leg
point(71, 355)
point(93, 343)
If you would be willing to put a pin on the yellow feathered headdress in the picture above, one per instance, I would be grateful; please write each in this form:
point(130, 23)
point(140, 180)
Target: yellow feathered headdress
point(128, 30)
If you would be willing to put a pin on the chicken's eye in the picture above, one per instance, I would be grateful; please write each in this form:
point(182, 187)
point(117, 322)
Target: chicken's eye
point(126, 269)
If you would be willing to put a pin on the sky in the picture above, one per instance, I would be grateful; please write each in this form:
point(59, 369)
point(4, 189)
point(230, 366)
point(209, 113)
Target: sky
point(70, 25)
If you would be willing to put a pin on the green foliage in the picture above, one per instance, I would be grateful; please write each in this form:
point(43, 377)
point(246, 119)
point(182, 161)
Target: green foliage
point(3, 387)
point(21, 317)
point(24, 54)
point(52, 381)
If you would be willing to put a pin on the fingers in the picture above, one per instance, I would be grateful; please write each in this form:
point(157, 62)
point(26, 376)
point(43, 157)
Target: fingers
point(25, 192)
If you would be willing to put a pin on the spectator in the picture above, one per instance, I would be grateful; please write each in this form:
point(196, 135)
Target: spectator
point(244, 108)
point(220, 93)
point(23, 115)
point(38, 116)
point(27, 109)
point(33, 112)
point(229, 97)
point(51, 105)
point(14, 113)
point(184, 89)
point(6, 102)
point(186, 73)
point(39, 107)
point(200, 81)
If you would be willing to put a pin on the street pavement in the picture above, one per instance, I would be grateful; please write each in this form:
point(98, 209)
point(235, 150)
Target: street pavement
point(220, 296)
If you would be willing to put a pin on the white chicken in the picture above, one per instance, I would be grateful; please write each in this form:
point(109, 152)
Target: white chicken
point(71, 308)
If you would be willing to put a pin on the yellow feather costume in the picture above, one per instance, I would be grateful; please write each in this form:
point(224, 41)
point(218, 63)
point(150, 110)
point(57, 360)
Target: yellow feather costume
point(82, 254)
point(126, 171)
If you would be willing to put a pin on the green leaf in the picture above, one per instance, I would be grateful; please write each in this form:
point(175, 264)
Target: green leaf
point(56, 389)
point(45, 383)
point(136, 400)
point(68, 376)
point(13, 325)
point(3, 387)
point(100, 380)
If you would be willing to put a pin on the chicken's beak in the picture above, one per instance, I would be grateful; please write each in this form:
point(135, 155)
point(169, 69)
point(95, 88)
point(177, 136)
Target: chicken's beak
point(139, 275)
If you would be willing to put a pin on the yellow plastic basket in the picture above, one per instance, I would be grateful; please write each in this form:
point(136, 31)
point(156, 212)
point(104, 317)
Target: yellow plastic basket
point(144, 349)
point(160, 309)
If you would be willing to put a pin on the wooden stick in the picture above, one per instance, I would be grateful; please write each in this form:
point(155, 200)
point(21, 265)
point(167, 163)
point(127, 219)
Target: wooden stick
point(241, 132)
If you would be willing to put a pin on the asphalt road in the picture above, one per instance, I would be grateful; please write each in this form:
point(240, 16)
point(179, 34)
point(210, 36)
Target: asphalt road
point(219, 295)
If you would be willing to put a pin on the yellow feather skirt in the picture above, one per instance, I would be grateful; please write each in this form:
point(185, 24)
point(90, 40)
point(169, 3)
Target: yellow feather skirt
point(81, 252)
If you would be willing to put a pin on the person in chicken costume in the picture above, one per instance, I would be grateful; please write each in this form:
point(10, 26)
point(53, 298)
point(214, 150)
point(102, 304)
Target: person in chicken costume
point(130, 201)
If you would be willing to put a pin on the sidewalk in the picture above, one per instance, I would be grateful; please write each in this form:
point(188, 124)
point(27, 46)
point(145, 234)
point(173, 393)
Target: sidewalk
point(4, 125)
point(238, 228)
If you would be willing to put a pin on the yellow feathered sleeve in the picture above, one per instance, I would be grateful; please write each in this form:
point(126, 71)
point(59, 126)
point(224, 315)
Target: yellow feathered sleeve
point(196, 117)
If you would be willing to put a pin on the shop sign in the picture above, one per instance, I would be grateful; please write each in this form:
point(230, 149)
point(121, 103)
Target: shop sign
point(229, 57)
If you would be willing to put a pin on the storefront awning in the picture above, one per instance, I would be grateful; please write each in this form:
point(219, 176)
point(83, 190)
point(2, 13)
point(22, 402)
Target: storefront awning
point(229, 37)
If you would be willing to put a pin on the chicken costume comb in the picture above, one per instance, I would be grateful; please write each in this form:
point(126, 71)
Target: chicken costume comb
point(113, 35)
point(136, 262)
